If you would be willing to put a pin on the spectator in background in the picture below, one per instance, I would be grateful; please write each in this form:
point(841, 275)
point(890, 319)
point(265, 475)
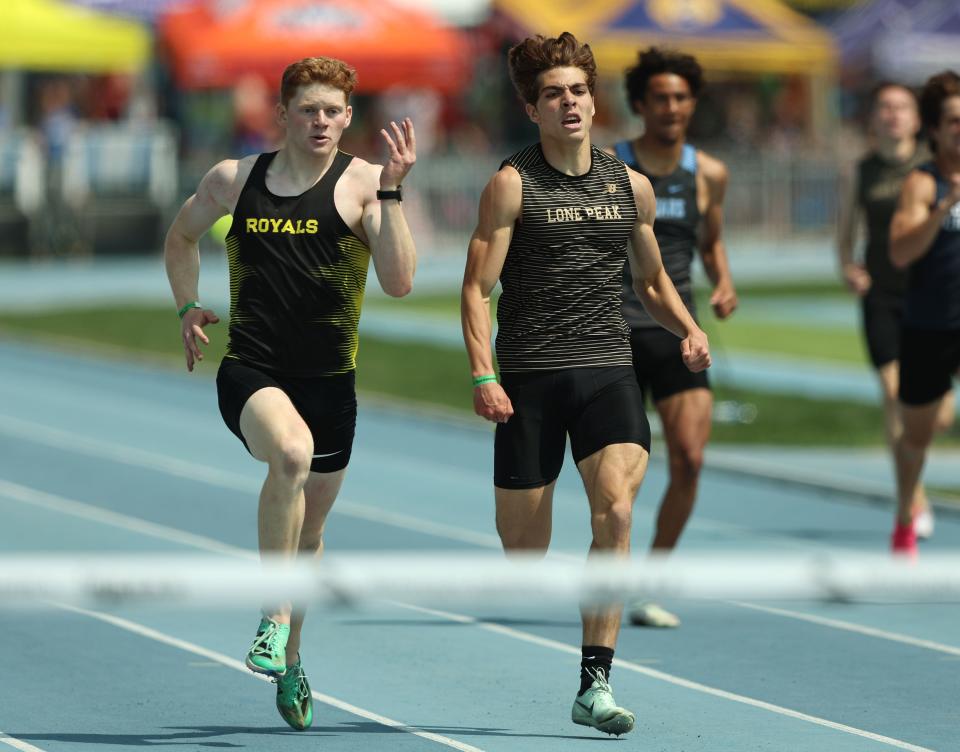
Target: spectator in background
point(254, 126)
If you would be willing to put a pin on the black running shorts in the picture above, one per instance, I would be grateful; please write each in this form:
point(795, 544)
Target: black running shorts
point(928, 362)
point(659, 366)
point(327, 404)
point(882, 321)
point(597, 407)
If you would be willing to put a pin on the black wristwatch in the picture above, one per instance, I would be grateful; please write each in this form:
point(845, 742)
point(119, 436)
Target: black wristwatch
point(384, 195)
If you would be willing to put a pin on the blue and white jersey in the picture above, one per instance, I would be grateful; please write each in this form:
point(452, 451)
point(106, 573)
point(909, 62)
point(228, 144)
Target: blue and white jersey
point(676, 229)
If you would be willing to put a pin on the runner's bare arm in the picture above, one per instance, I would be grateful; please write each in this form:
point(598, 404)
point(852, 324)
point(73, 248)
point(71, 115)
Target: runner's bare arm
point(917, 220)
point(654, 287)
point(500, 207)
point(181, 250)
point(713, 252)
point(391, 244)
point(854, 274)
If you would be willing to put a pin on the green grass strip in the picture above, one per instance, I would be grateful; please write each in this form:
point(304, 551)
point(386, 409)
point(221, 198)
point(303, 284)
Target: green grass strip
point(437, 375)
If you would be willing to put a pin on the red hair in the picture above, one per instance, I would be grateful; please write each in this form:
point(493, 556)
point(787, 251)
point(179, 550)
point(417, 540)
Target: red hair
point(317, 70)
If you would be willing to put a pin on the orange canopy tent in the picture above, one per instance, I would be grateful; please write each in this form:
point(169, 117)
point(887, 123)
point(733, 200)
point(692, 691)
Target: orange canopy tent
point(211, 43)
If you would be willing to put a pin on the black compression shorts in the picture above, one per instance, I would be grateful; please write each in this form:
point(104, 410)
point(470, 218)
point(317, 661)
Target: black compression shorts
point(596, 406)
point(659, 366)
point(327, 404)
point(928, 363)
point(882, 321)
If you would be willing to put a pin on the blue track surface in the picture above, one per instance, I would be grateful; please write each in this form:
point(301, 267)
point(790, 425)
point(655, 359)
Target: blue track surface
point(92, 451)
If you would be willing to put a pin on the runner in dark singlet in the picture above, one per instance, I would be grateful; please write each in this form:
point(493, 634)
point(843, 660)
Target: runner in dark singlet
point(306, 221)
point(689, 186)
point(557, 223)
point(925, 237)
point(894, 123)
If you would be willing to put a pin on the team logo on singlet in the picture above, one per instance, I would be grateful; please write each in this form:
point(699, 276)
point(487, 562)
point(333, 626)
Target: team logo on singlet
point(885, 190)
point(952, 221)
point(581, 213)
point(671, 208)
point(264, 226)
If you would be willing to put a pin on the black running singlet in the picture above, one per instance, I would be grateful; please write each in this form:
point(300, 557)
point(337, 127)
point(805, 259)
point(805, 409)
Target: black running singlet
point(933, 297)
point(676, 229)
point(560, 306)
point(878, 188)
point(297, 275)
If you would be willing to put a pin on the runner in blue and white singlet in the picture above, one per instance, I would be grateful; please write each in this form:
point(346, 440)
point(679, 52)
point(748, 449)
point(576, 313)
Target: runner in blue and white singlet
point(689, 185)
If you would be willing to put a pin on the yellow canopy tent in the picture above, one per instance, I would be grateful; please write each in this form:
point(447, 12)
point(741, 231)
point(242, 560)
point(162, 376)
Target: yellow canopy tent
point(56, 36)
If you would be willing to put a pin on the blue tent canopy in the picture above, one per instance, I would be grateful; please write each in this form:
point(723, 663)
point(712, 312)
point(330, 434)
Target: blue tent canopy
point(753, 36)
point(908, 40)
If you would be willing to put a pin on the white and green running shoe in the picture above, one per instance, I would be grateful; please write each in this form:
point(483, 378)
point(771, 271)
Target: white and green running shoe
point(647, 614)
point(268, 654)
point(597, 708)
point(294, 700)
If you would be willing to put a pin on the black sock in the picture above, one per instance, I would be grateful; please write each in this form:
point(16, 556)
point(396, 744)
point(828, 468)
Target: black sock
point(595, 658)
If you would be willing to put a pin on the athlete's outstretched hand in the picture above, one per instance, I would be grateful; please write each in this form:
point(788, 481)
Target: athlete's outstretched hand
point(490, 401)
point(191, 330)
point(696, 351)
point(403, 153)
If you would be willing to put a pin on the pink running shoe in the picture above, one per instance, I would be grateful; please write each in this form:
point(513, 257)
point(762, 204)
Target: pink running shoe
point(904, 541)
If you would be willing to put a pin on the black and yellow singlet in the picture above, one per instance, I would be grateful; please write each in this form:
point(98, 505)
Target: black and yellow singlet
point(297, 275)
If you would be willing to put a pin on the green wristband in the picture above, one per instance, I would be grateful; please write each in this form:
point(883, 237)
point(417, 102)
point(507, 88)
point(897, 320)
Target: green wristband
point(485, 379)
point(192, 304)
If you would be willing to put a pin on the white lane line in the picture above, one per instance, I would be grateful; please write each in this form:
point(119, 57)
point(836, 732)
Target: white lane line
point(53, 502)
point(90, 512)
point(197, 472)
point(193, 471)
point(200, 542)
point(67, 441)
point(125, 454)
point(213, 655)
point(416, 524)
point(848, 626)
point(12, 741)
point(517, 634)
point(221, 479)
point(94, 513)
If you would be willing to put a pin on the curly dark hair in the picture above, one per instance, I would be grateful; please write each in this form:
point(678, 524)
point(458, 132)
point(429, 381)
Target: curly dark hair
point(655, 60)
point(937, 88)
point(538, 54)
